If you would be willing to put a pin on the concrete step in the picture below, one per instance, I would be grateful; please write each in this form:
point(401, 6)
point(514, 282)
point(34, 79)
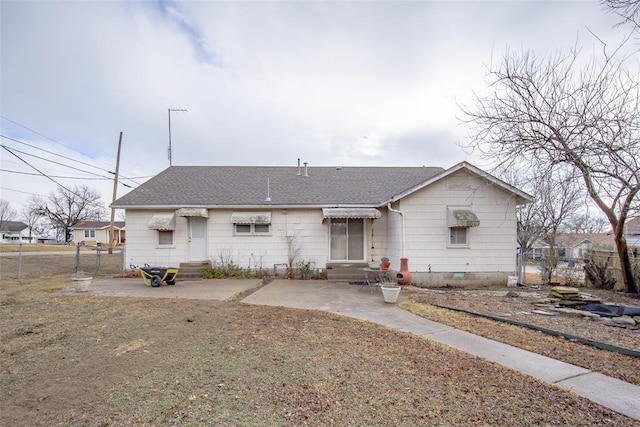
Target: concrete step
point(345, 271)
point(192, 270)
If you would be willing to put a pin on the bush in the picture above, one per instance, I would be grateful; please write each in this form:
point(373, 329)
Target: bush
point(597, 273)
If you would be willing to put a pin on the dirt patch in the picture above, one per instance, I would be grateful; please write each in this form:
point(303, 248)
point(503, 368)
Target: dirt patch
point(88, 360)
point(520, 308)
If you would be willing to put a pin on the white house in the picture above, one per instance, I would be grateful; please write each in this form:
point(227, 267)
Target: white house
point(16, 232)
point(97, 232)
point(455, 225)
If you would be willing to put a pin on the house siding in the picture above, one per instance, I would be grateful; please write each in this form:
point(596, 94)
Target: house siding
point(310, 233)
point(416, 228)
point(492, 245)
point(305, 227)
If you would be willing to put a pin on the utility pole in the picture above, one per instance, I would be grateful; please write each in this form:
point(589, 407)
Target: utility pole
point(115, 192)
point(169, 110)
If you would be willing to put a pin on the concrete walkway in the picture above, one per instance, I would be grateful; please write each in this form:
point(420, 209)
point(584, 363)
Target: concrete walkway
point(350, 300)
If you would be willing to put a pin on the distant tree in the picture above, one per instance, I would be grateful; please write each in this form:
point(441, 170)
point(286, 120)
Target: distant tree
point(557, 197)
point(6, 213)
point(553, 111)
point(64, 208)
point(33, 221)
point(585, 223)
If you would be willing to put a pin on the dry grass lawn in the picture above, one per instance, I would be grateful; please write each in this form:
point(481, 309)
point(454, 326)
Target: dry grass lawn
point(101, 361)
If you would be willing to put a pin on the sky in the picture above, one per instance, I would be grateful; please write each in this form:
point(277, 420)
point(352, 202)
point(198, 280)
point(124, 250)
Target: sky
point(263, 83)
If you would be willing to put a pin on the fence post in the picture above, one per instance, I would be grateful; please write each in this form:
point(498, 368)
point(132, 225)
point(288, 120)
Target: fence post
point(77, 257)
point(98, 260)
point(19, 260)
point(520, 261)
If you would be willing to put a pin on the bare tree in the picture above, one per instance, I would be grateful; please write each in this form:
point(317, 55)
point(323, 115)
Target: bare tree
point(584, 222)
point(293, 252)
point(627, 10)
point(7, 213)
point(558, 196)
point(64, 208)
point(554, 111)
point(33, 221)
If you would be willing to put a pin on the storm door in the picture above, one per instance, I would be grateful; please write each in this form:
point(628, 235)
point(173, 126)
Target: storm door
point(197, 239)
point(347, 239)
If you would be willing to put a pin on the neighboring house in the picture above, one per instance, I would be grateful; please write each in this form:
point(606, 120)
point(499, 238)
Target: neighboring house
point(16, 232)
point(632, 232)
point(457, 224)
point(97, 232)
point(577, 245)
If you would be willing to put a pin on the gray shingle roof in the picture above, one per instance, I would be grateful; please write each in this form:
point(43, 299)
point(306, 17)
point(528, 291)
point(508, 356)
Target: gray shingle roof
point(247, 186)
point(12, 226)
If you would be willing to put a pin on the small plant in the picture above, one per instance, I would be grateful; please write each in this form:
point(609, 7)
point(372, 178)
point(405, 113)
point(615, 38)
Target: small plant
point(304, 269)
point(211, 273)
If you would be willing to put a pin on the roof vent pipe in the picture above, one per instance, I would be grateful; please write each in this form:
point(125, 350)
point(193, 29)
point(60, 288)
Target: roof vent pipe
point(306, 171)
point(299, 172)
point(268, 199)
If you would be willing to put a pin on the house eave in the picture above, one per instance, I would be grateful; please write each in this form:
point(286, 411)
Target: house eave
point(257, 206)
point(521, 197)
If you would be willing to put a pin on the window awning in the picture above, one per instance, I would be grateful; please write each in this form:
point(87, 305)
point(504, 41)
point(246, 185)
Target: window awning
point(201, 212)
point(163, 222)
point(251, 217)
point(461, 218)
point(351, 213)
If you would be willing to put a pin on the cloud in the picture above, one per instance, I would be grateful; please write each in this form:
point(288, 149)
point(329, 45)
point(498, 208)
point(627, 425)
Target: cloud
point(264, 83)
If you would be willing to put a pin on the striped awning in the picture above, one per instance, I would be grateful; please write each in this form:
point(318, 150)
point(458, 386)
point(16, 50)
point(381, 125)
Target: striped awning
point(461, 218)
point(191, 212)
point(351, 213)
point(251, 217)
point(163, 222)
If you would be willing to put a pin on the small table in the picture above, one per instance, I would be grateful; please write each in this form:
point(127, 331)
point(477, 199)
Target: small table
point(374, 277)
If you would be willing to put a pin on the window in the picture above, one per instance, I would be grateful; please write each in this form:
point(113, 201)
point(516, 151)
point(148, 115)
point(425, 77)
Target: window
point(248, 229)
point(89, 234)
point(165, 237)
point(251, 223)
point(458, 236)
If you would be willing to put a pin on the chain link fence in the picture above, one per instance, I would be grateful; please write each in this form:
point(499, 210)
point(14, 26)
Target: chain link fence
point(29, 265)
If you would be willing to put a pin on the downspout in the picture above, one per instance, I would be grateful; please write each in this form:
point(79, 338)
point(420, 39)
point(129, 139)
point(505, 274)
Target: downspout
point(402, 218)
point(403, 277)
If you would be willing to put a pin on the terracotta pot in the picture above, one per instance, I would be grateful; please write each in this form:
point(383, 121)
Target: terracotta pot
point(404, 276)
point(385, 265)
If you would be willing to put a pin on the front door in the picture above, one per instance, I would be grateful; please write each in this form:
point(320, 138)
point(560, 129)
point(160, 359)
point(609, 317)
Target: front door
point(347, 239)
point(197, 239)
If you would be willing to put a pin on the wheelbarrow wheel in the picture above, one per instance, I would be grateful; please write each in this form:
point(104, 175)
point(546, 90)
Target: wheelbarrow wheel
point(155, 281)
point(171, 282)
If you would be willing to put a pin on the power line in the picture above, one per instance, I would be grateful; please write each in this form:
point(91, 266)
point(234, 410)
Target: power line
point(62, 177)
point(57, 142)
point(57, 163)
point(20, 191)
point(49, 178)
point(64, 157)
point(36, 169)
